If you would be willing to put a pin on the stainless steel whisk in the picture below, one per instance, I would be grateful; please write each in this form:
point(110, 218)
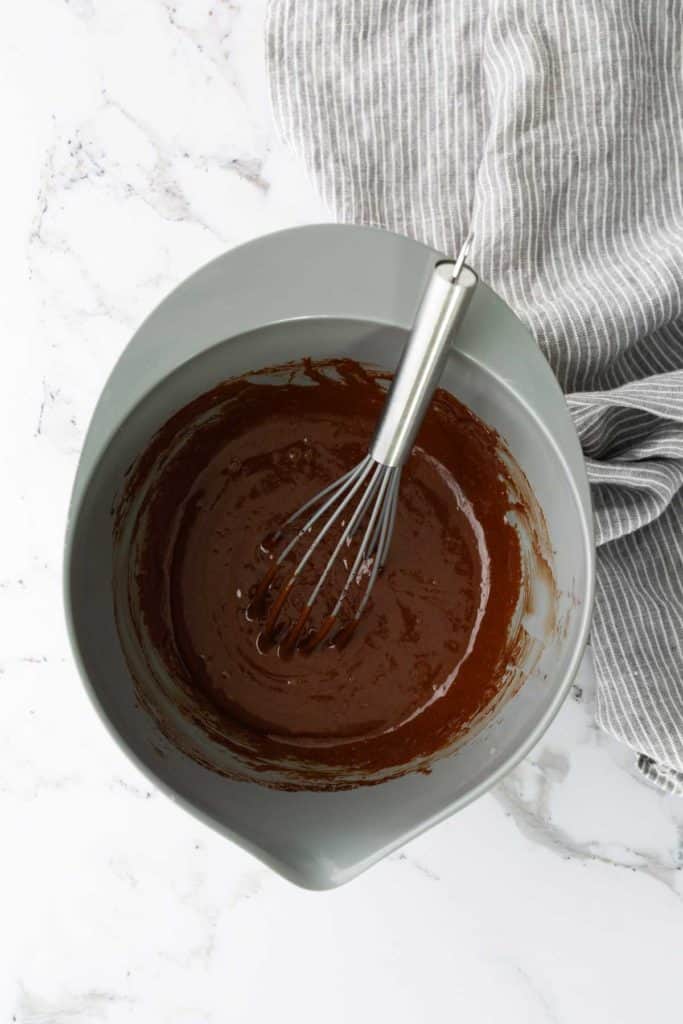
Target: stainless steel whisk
point(374, 482)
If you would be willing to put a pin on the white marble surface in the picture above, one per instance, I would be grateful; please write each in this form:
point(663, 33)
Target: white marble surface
point(137, 145)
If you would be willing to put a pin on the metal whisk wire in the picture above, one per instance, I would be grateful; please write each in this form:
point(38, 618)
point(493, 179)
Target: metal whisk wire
point(377, 503)
point(376, 478)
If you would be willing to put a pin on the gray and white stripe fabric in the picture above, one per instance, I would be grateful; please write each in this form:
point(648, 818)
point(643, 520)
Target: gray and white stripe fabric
point(554, 128)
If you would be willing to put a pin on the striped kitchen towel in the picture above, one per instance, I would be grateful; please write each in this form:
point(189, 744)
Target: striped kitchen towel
point(554, 128)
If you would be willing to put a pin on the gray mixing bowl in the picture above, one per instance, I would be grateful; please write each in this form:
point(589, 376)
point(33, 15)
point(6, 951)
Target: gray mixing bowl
point(326, 291)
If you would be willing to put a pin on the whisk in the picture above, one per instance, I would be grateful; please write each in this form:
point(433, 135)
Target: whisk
point(368, 493)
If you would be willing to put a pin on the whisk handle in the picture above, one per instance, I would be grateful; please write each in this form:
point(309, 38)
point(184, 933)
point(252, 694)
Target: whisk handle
point(441, 311)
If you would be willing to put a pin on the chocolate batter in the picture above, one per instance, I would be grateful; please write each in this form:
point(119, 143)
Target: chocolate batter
point(434, 642)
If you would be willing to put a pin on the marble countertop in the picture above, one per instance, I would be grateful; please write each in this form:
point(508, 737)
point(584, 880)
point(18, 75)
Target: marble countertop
point(138, 145)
